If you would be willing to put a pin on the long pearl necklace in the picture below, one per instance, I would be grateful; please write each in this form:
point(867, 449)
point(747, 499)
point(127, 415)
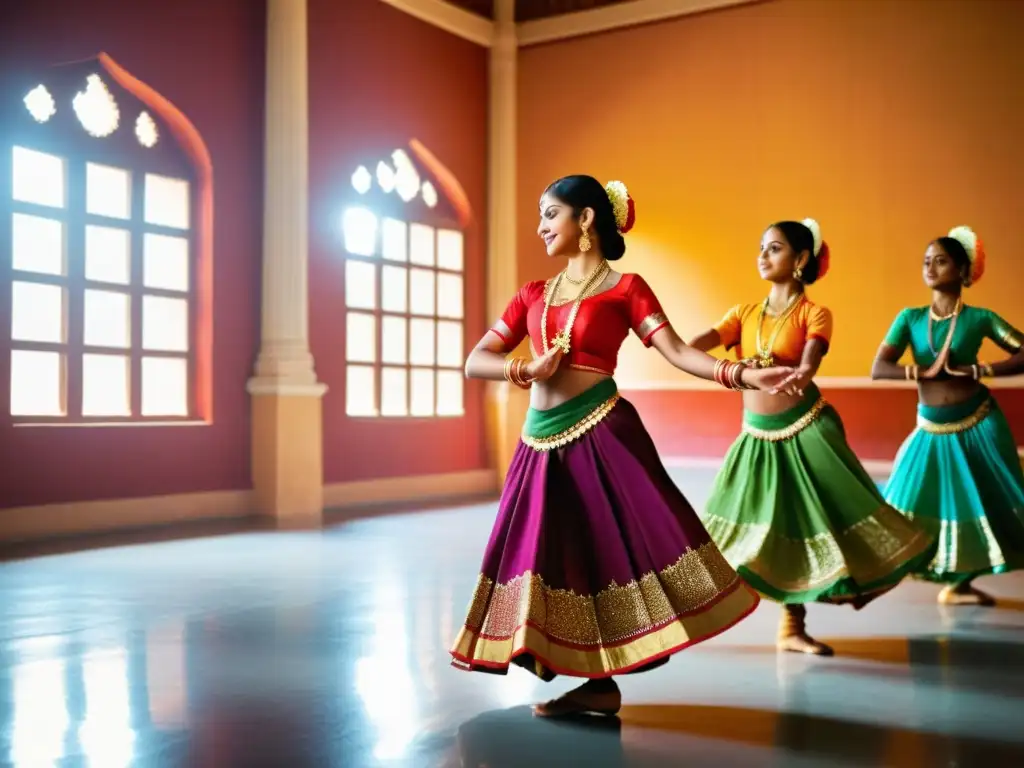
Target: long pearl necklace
point(563, 337)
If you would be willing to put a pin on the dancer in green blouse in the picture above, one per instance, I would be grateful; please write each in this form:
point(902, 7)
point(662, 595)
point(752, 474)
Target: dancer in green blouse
point(958, 473)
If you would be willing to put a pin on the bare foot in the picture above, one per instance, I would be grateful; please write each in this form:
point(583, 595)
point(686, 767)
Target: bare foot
point(803, 643)
point(969, 596)
point(587, 699)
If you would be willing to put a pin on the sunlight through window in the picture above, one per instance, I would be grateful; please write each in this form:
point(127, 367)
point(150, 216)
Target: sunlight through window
point(405, 287)
point(100, 287)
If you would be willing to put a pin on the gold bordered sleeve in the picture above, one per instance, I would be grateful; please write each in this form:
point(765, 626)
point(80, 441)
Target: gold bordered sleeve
point(1004, 334)
point(645, 312)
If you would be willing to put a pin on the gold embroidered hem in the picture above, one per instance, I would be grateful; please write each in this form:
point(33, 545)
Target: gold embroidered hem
point(868, 551)
point(967, 546)
point(614, 614)
point(790, 431)
point(576, 431)
point(953, 427)
point(473, 649)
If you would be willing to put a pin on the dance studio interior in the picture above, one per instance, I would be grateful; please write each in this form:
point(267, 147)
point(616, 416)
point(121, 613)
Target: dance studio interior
point(283, 506)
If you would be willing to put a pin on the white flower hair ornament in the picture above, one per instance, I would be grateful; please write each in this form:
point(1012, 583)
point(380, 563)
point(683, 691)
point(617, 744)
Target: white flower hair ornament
point(821, 250)
point(969, 239)
point(622, 206)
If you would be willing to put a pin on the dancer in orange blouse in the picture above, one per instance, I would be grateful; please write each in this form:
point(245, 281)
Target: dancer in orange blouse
point(793, 509)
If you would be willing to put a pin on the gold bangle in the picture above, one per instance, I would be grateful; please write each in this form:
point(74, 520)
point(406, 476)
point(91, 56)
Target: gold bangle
point(737, 377)
point(719, 364)
point(517, 376)
point(986, 371)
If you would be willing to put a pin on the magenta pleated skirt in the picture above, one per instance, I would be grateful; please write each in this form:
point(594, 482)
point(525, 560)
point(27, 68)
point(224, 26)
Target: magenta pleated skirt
point(597, 565)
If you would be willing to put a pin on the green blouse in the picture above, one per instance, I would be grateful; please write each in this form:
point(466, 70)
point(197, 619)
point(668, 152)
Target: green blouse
point(972, 327)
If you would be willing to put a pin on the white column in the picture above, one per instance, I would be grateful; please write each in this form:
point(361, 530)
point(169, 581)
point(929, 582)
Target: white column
point(506, 406)
point(502, 273)
point(285, 365)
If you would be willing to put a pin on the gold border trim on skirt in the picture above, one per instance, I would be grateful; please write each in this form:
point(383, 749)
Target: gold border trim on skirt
point(952, 427)
point(798, 426)
point(867, 551)
point(623, 625)
point(576, 431)
point(473, 650)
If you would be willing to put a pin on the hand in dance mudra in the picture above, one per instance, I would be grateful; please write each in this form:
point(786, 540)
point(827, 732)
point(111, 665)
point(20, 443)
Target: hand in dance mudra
point(543, 368)
point(770, 379)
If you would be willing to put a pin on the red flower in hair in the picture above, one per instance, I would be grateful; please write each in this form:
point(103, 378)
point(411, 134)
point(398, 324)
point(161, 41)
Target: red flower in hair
point(824, 257)
point(630, 216)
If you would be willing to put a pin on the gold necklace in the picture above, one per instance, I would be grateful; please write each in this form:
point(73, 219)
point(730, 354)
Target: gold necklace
point(562, 338)
point(573, 280)
point(933, 317)
point(939, 318)
point(764, 357)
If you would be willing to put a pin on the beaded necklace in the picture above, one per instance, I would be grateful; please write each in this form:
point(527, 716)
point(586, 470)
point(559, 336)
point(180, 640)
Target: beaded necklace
point(590, 283)
point(764, 357)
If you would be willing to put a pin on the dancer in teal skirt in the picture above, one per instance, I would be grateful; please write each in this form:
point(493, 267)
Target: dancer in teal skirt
point(792, 509)
point(958, 473)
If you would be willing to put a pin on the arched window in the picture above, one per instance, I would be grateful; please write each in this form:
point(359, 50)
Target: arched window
point(404, 288)
point(102, 269)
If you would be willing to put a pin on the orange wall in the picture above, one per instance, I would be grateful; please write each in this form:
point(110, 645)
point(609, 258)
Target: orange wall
point(888, 121)
point(378, 78)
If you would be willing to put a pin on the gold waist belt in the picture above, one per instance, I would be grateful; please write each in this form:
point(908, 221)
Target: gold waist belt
point(953, 427)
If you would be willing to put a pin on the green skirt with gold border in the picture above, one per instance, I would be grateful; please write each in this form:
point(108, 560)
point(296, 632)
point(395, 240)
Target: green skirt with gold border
point(799, 518)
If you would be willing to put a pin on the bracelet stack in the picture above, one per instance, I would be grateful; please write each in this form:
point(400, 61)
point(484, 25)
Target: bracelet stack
point(911, 372)
point(983, 370)
point(514, 372)
point(729, 374)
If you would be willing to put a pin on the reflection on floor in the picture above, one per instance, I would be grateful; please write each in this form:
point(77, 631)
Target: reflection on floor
point(329, 649)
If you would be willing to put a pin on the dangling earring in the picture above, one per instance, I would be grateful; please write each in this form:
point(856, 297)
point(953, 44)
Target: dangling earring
point(585, 243)
point(798, 274)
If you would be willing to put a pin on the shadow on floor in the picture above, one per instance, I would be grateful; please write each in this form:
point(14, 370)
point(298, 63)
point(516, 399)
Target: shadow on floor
point(662, 735)
point(514, 738)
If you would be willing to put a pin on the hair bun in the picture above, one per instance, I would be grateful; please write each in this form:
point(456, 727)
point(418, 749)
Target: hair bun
point(622, 206)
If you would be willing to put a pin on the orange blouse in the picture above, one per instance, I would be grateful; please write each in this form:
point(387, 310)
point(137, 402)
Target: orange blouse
point(601, 325)
point(808, 321)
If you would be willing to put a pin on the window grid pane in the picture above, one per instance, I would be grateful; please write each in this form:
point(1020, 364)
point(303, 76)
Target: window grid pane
point(37, 312)
point(164, 386)
point(108, 191)
point(37, 383)
point(38, 178)
point(105, 385)
point(101, 380)
point(408, 326)
point(37, 244)
point(107, 255)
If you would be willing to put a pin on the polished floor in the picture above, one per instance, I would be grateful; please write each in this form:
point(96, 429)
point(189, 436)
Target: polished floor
point(329, 649)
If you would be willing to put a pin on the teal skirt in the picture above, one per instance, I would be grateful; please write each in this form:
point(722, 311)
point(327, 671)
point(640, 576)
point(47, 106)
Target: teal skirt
point(799, 518)
point(958, 475)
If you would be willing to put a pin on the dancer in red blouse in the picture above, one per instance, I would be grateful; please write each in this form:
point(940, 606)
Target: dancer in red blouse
point(597, 565)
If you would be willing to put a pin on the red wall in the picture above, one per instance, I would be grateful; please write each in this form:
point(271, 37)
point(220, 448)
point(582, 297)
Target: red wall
point(704, 423)
point(208, 59)
point(378, 78)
